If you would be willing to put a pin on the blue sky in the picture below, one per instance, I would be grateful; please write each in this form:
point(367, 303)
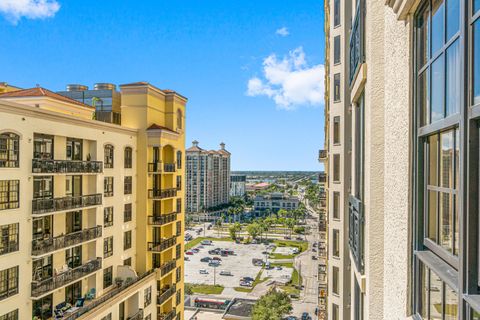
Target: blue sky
point(252, 70)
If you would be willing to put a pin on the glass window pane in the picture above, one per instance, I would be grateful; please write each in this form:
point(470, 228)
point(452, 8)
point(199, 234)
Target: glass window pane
point(457, 158)
point(423, 97)
point(435, 297)
point(438, 89)
point(423, 39)
point(476, 5)
point(446, 221)
point(455, 226)
point(476, 61)
point(453, 17)
point(433, 160)
point(432, 216)
point(446, 159)
point(453, 79)
point(438, 14)
point(451, 304)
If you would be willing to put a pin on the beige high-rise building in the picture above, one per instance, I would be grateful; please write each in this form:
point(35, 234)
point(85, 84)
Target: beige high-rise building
point(91, 212)
point(208, 178)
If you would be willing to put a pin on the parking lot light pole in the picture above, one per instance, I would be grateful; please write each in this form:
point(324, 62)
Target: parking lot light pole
point(214, 275)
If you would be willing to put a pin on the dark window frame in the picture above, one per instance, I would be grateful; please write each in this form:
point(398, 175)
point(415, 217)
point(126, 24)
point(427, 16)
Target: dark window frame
point(109, 156)
point(9, 150)
point(127, 158)
point(9, 194)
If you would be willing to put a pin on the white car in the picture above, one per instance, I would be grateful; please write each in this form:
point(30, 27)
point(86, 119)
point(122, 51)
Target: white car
point(203, 271)
point(225, 273)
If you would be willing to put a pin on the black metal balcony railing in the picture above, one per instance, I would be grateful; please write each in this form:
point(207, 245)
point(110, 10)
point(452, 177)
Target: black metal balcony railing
point(43, 246)
point(322, 226)
point(162, 193)
point(357, 41)
point(10, 246)
point(104, 298)
point(162, 245)
point(41, 287)
point(155, 167)
point(166, 293)
point(66, 166)
point(322, 154)
point(169, 167)
point(40, 206)
point(355, 232)
point(167, 267)
point(162, 219)
point(137, 316)
point(167, 316)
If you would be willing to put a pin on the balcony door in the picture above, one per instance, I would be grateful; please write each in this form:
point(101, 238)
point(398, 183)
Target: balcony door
point(157, 235)
point(73, 186)
point(42, 228)
point(73, 257)
point(43, 187)
point(74, 149)
point(42, 146)
point(73, 292)
point(73, 221)
point(156, 154)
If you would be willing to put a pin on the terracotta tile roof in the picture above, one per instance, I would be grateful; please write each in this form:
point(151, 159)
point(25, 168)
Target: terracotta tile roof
point(194, 149)
point(158, 127)
point(41, 92)
point(138, 83)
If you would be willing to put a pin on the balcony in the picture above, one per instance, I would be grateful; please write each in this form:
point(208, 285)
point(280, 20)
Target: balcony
point(167, 316)
point(166, 293)
point(322, 226)
point(159, 167)
point(357, 56)
point(43, 246)
point(162, 193)
point(42, 206)
point(162, 219)
point(167, 267)
point(137, 316)
point(162, 245)
point(355, 232)
point(169, 167)
point(40, 288)
point(322, 155)
point(66, 166)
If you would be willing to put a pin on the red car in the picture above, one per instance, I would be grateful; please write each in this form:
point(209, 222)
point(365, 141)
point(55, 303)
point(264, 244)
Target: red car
point(190, 253)
point(216, 258)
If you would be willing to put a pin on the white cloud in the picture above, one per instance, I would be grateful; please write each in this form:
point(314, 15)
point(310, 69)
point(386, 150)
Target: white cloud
point(290, 82)
point(283, 32)
point(14, 10)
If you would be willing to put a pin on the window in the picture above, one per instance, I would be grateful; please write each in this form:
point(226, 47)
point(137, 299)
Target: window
point(179, 205)
point(73, 292)
point(42, 268)
point(336, 243)
point(127, 185)
point(178, 274)
point(107, 277)
point(12, 315)
point(107, 247)
point(74, 149)
point(42, 146)
point(108, 217)
point(73, 257)
point(108, 187)
point(108, 156)
point(127, 212)
point(336, 50)
point(107, 317)
point(335, 279)
point(128, 158)
point(179, 119)
point(127, 262)
point(178, 251)
point(9, 150)
point(336, 87)
point(179, 159)
point(9, 194)
point(9, 238)
point(336, 13)
point(43, 187)
point(147, 296)
point(359, 153)
point(336, 130)
point(336, 168)
point(42, 308)
point(178, 297)
point(149, 317)
point(8, 282)
point(179, 182)
point(179, 228)
point(336, 205)
point(127, 240)
point(335, 312)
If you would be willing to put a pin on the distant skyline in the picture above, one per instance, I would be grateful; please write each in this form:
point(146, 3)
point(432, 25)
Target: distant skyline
point(252, 70)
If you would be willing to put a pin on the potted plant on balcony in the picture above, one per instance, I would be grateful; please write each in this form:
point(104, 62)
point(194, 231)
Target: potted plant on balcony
point(118, 281)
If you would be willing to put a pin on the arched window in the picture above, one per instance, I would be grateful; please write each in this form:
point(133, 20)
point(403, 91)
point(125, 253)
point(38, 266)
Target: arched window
point(9, 150)
point(179, 119)
point(108, 156)
point(179, 159)
point(128, 157)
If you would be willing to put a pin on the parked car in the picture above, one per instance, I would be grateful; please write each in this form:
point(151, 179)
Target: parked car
point(247, 279)
point(306, 316)
point(206, 242)
point(216, 258)
point(225, 273)
point(214, 263)
point(186, 258)
point(279, 268)
point(215, 251)
point(203, 271)
point(190, 253)
point(299, 238)
point(205, 259)
point(314, 257)
point(287, 237)
point(246, 284)
point(196, 250)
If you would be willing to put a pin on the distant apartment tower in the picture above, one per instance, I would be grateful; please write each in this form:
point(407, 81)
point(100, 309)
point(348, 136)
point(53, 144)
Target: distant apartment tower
point(86, 209)
point(208, 178)
point(237, 185)
point(274, 202)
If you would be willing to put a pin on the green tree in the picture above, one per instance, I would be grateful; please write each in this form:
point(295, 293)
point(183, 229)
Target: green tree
point(234, 229)
point(218, 224)
point(290, 224)
point(272, 306)
point(253, 229)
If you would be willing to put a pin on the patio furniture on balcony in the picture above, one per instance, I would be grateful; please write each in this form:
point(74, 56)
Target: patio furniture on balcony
point(168, 316)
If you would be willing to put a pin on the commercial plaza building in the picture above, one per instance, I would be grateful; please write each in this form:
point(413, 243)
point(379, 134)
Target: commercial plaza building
point(403, 159)
point(208, 178)
point(91, 212)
